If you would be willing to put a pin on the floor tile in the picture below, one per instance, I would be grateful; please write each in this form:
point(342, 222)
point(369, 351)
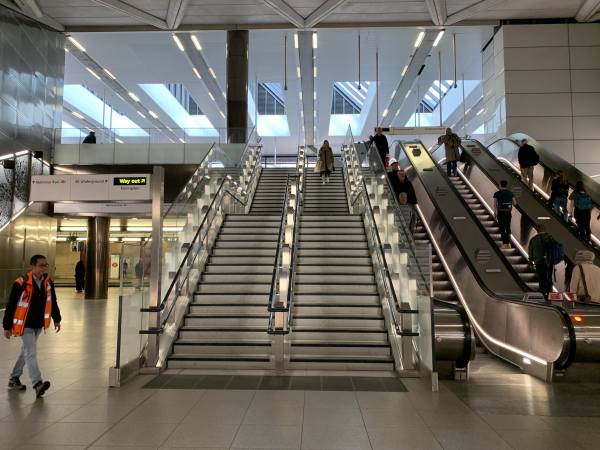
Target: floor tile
point(213, 382)
point(215, 413)
point(279, 397)
point(397, 418)
point(103, 412)
point(534, 440)
point(341, 400)
point(40, 412)
point(244, 382)
point(268, 437)
point(165, 413)
point(275, 414)
point(332, 383)
point(390, 438)
point(383, 400)
point(276, 383)
point(202, 435)
point(152, 434)
point(306, 383)
point(368, 384)
point(315, 415)
point(70, 434)
point(470, 439)
point(515, 422)
point(324, 436)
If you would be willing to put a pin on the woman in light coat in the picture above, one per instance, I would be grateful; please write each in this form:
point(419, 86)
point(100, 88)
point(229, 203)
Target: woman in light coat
point(325, 163)
point(451, 143)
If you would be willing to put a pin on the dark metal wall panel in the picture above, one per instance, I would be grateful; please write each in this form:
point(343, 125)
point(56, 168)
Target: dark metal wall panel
point(32, 61)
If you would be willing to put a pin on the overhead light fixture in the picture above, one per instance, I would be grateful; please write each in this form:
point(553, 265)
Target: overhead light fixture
point(67, 50)
point(212, 72)
point(153, 114)
point(420, 38)
point(222, 114)
point(480, 111)
point(93, 73)
point(76, 44)
point(119, 140)
point(181, 140)
point(134, 97)
point(22, 152)
point(407, 94)
point(405, 70)
point(211, 96)
point(315, 40)
point(385, 111)
point(197, 73)
point(298, 71)
point(295, 40)
point(196, 42)
point(109, 73)
point(438, 38)
point(141, 114)
point(393, 93)
point(78, 115)
point(178, 43)
point(315, 71)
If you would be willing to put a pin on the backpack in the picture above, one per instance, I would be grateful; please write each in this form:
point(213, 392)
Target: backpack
point(555, 252)
point(583, 201)
point(535, 158)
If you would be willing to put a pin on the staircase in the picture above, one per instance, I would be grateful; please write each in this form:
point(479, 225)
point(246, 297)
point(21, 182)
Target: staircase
point(338, 322)
point(514, 257)
point(226, 325)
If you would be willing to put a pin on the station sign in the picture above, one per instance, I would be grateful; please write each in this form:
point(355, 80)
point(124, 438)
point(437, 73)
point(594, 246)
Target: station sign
point(95, 188)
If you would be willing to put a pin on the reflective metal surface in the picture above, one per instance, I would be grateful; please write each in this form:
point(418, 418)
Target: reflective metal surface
point(97, 258)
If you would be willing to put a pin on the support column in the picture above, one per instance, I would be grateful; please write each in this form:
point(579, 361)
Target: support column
point(237, 86)
point(96, 270)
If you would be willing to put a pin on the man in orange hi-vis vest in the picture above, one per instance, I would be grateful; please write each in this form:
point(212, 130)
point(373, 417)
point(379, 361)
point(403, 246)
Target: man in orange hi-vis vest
point(31, 304)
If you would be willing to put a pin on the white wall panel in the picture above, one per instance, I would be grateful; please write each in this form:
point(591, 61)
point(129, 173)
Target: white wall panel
point(586, 104)
point(564, 149)
point(537, 58)
point(585, 57)
point(587, 151)
point(584, 34)
point(541, 105)
point(537, 81)
point(585, 80)
point(542, 128)
point(586, 127)
point(589, 169)
point(536, 35)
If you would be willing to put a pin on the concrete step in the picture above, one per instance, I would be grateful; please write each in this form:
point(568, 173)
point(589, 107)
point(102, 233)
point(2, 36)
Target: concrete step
point(242, 237)
point(223, 288)
point(199, 347)
point(324, 278)
point(209, 321)
point(222, 362)
point(335, 288)
point(337, 323)
point(234, 269)
point(334, 260)
point(257, 245)
point(334, 270)
point(361, 350)
point(238, 278)
point(306, 245)
point(263, 260)
point(340, 364)
point(325, 218)
point(274, 231)
point(336, 299)
point(245, 218)
point(228, 309)
point(232, 334)
point(323, 237)
point(244, 251)
point(333, 311)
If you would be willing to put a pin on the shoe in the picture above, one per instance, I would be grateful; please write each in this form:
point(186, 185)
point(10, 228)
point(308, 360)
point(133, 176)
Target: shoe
point(14, 384)
point(41, 387)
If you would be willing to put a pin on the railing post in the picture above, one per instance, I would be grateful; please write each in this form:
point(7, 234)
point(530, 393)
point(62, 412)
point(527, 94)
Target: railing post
point(158, 176)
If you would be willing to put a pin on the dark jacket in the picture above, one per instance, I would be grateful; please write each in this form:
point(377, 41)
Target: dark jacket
point(383, 147)
point(79, 270)
point(527, 156)
point(406, 186)
point(89, 139)
point(35, 315)
point(538, 247)
point(559, 189)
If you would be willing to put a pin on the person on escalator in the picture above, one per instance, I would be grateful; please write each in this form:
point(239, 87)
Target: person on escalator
point(393, 177)
point(451, 143)
point(408, 211)
point(381, 142)
point(585, 281)
point(504, 200)
point(404, 185)
point(581, 208)
point(559, 192)
point(539, 254)
point(528, 159)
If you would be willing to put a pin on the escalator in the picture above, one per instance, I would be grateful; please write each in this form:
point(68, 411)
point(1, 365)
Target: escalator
point(490, 291)
point(505, 150)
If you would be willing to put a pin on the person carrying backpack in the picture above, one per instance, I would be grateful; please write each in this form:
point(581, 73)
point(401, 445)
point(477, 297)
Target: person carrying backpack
point(528, 159)
point(544, 253)
point(581, 206)
point(559, 192)
point(504, 200)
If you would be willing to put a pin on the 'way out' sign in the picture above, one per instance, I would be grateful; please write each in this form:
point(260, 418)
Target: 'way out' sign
point(57, 188)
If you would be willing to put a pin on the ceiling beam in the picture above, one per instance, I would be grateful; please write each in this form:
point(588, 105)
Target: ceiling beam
point(134, 12)
point(470, 11)
point(407, 82)
point(198, 62)
point(286, 11)
point(322, 12)
point(45, 19)
point(437, 11)
point(176, 12)
point(306, 61)
point(587, 11)
point(89, 63)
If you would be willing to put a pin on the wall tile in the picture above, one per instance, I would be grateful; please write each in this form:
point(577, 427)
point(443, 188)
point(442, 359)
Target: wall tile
point(585, 80)
point(586, 127)
point(564, 149)
point(584, 34)
point(585, 57)
point(542, 128)
point(541, 105)
point(587, 151)
point(537, 58)
point(586, 104)
point(537, 81)
point(546, 35)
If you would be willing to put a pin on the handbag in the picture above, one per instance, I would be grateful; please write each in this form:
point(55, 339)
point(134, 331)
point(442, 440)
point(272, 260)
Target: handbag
point(318, 166)
point(586, 298)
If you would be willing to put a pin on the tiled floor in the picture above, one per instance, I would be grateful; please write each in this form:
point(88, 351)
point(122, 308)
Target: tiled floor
point(498, 409)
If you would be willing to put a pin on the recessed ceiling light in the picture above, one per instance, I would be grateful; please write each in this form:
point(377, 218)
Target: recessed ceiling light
point(109, 73)
point(438, 38)
point(76, 44)
point(93, 73)
point(420, 38)
point(178, 42)
point(153, 114)
point(197, 73)
point(133, 96)
point(196, 42)
point(76, 114)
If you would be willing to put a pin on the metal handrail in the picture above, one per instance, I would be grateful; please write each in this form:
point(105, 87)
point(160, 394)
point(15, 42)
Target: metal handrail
point(279, 249)
point(391, 295)
point(248, 144)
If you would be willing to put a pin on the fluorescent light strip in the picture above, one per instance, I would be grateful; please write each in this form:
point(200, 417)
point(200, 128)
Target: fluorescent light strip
point(8, 156)
point(405, 70)
point(196, 73)
point(298, 71)
point(22, 152)
point(222, 114)
point(196, 42)
point(78, 115)
point(153, 114)
point(385, 112)
point(178, 43)
point(295, 40)
point(119, 140)
point(134, 97)
point(141, 114)
point(315, 71)
point(76, 44)
point(438, 38)
point(420, 38)
point(212, 72)
point(93, 73)
point(211, 96)
point(315, 40)
point(109, 73)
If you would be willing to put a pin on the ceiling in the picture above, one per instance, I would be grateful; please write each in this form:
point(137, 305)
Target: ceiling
point(73, 15)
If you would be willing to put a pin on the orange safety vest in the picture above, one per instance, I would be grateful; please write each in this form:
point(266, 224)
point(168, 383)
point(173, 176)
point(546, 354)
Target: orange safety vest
point(25, 301)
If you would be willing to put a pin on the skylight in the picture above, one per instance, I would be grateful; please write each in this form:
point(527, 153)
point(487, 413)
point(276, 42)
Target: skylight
point(270, 99)
point(349, 97)
point(84, 101)
point(194, 125)
point(432, 97)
